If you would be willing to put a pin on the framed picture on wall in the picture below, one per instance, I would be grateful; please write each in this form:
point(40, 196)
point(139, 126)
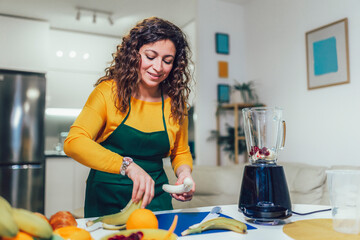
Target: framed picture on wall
point(223, 69)
point(222, 43)
point(327, 52)
point(223, 91)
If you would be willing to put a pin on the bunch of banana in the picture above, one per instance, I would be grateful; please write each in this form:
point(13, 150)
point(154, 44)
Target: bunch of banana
point(8, 227)
point(217, 223)
point(13, 219)
point(31, 223)
point(119, 218)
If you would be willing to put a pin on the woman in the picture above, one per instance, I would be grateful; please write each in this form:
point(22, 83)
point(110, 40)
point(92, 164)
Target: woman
point(136, 115)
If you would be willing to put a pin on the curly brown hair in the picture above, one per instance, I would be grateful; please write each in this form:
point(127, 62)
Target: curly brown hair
point(124, 68)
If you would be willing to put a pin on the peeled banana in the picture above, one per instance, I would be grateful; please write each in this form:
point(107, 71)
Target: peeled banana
point(31, 223)
point(119, 218)
point(217, 223)
point(8, 227)
point(179, 189)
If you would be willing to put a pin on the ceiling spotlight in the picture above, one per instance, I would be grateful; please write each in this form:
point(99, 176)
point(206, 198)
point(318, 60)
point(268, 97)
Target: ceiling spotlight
point(72, 54)
point(94, 17)
point(110, 20)
point(78, 15)
point(59, 53)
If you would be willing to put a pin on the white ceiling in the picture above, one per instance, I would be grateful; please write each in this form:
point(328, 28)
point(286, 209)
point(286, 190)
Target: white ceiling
point(125, 13)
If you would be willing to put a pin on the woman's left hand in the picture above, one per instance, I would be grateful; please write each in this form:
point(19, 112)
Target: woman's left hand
point(182, 173)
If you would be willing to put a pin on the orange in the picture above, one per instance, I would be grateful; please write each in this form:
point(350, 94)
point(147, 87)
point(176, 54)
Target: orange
point(19, 236)
point(142, 218)
point(73, 233)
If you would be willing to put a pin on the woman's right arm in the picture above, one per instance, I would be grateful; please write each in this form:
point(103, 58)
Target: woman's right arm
point(80, 143)
point(81, 146)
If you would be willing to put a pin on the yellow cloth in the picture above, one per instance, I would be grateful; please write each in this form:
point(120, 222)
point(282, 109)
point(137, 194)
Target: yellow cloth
point(99, 118)
point(316, 229)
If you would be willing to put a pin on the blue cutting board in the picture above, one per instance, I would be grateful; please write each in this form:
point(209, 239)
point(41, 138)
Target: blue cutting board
point(185, 220)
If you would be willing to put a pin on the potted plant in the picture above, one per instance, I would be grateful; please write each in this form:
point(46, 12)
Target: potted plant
point(247, 91)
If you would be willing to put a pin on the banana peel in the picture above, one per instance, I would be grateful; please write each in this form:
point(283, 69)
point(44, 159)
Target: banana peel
point(217, 223)
point(119, 218)
point(113, 227)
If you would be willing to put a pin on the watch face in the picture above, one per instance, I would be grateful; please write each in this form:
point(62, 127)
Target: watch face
point(127, 160)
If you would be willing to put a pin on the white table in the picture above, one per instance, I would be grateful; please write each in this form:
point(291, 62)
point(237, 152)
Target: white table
point(262, 232)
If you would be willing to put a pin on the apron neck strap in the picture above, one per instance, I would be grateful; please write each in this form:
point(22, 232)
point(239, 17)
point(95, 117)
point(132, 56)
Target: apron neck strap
point(162, 107)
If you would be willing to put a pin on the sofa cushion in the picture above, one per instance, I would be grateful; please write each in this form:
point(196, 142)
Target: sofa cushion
point(214, 185)
point(306, 182)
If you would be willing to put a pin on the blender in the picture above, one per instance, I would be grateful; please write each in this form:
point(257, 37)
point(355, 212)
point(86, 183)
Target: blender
point(264, 196)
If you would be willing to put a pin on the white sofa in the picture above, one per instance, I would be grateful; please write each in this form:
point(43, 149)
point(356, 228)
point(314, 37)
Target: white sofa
point(218, 185)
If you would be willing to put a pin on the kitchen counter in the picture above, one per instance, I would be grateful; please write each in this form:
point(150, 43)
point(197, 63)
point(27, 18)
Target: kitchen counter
point(53, 153)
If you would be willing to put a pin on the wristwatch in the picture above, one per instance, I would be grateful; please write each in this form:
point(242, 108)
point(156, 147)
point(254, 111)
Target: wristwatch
point(126, 162)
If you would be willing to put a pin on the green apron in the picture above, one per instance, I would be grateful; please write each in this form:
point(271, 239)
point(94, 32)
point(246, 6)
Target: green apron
point(108, 193)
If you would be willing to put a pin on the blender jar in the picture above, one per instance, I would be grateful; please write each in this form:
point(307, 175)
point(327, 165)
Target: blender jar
point(265, 132)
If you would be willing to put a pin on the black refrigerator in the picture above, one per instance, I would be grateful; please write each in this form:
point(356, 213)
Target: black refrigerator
point(22, 159)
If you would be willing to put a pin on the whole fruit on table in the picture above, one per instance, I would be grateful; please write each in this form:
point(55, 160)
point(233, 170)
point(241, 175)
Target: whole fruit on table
point(62, 219)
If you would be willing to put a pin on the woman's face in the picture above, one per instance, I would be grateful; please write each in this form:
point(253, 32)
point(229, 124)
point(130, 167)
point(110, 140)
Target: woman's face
point(156, 62)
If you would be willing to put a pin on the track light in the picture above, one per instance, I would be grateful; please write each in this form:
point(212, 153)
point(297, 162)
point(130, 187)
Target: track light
point(94, 17)
point(95, 13)
point(78, 15)
point(110, 20)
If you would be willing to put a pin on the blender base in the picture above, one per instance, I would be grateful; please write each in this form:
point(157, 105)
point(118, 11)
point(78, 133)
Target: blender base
point(267, 222)
point(264, 194)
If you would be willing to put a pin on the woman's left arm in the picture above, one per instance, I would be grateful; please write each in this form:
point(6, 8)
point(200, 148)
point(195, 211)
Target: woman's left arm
point(182, 161)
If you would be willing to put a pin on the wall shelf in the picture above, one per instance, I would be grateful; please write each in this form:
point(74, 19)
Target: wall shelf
point(235, 107)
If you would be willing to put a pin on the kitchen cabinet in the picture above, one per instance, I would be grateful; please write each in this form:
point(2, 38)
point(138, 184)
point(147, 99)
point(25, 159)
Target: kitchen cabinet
point(76, 62)
point(24, 44)
point(65, 183)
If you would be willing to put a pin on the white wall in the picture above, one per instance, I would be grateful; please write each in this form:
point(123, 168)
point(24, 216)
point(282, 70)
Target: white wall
point(190, 32)
point(214, 16)
point(322, 124)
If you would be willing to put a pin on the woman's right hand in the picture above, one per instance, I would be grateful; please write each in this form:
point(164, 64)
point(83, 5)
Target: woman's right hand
point(143, 184)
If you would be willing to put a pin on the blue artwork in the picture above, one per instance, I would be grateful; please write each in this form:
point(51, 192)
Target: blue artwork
point(325, 56)
point(222, 43)
point(223, 93)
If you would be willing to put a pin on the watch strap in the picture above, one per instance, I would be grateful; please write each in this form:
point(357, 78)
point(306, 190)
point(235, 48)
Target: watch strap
point(126, 162)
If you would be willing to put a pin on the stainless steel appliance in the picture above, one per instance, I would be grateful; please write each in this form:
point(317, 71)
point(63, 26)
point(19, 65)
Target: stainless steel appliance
point(264, 196)
point(22, 159)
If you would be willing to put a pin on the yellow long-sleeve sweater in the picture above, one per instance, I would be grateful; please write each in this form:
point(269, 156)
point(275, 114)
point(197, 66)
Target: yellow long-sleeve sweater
point(99, 118)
